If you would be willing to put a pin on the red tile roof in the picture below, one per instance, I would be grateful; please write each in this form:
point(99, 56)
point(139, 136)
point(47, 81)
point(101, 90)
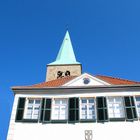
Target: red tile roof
point(116, 81)
point(62, 81)
point(53, 83)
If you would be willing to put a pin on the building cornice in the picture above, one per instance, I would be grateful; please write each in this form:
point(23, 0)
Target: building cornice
point(67, 89)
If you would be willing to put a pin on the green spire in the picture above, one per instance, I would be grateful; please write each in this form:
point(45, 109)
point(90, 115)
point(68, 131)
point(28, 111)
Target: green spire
point(66, 54)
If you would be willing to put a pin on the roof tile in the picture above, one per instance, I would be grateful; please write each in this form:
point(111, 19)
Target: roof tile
point(62, 81)
point(116, 81)
point(53, 83)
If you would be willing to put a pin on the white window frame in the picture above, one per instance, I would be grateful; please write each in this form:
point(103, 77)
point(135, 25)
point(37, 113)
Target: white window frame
point(88, 105)
point(57, 114)
point(34, 105)
point(137, 108)
point(114, 105)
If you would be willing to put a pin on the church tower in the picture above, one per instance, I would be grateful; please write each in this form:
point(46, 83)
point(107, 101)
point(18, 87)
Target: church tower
point(65, 63)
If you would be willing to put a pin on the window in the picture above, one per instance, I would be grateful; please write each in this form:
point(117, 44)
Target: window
point(87, 109)
point(32, 109)
point(115, 107)
point(138, 106)
point(59, 109)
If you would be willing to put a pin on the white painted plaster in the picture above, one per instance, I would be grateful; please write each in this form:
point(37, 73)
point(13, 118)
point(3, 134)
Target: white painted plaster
point(101, 131)
point(79, 81)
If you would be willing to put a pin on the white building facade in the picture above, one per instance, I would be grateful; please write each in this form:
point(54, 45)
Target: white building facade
point(71, 105)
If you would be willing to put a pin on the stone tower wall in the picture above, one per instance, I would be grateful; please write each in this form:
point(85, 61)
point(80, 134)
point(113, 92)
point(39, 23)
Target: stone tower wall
point(52, 70)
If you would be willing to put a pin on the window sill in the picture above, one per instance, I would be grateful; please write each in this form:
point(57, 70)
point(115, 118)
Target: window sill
point(116, 119)
point(87, 121)
point(131, 120)
point(30, 120)
point(27, 120)
point(102, 121)
point(59, 121)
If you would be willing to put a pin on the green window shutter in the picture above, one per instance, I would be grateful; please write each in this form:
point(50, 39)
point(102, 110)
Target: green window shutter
point(73, 110)
point(102, 115)
point(47, 110)
point(20, 109)
point(42, 110)
point(130, 108)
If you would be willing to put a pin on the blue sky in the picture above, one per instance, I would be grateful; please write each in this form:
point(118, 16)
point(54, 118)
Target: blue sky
point(105, 36)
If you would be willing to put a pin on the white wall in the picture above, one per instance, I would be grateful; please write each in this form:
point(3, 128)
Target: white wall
point(106, 131)
point(39, 131)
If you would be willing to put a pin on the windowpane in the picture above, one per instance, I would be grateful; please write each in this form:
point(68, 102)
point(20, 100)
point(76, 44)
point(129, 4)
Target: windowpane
point(37, 102)
point(31, 101)
point(115, 107)
point(32, 109)
point(87, 110)
point(84, 101)
point(138, 99)
point(59, 109)
point(91, 100)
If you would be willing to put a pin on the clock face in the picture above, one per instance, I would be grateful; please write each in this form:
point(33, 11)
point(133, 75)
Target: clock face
point(61, 74)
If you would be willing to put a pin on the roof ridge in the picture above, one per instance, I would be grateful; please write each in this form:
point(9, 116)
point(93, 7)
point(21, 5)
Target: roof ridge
point(118, 78)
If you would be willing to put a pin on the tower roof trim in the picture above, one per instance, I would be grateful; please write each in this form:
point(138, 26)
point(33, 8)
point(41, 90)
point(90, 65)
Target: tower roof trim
point(66, 54)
